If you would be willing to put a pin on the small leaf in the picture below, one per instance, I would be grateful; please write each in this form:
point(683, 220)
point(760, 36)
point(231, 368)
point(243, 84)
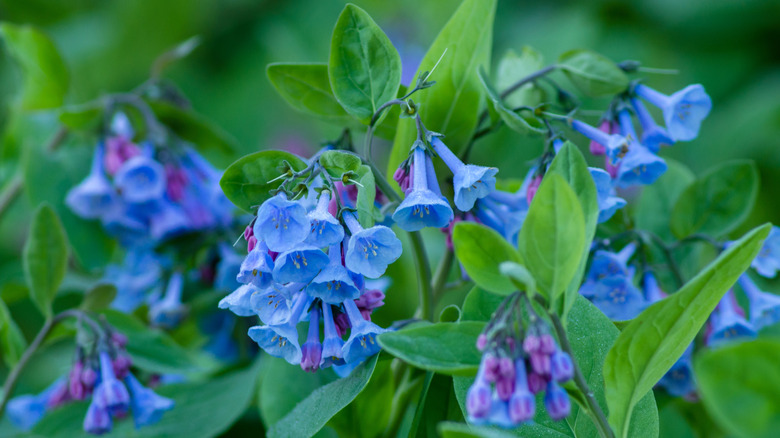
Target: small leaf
point(717, 202)
point(246, 181)
point(306, 88)
point(658, 199)
point(45, 74)
point(450, 313)
point(739, 385)
point(45, 257)
point(648, 347)
point(480, 250)
point(515, 122)
point(364, 67)
point(337, 163)
point(194, 128)
point(594, 74)
point(514, 67)
point(367, 211)
point(12, 342)
point(310, 415)
point(552, 239)
point(445, 347)
point(520, 277)
point(99, 297)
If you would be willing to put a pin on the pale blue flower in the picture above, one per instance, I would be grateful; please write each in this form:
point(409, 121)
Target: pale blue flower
point(728, 324)
point(764, 306)
point(281, 224)
point(608, 201)
point(110, 392)
point(639, 165)
point(169, 311)
point(98, 419)
point(25, 411)
point(679, 381)
point(238, 301)
point(148, 407)
point(333, 284)
point(470, 182)
point(282, 340)
point(299, 265)
point(326, 230)
point(141, 179)
point(93, 197)
point(332, 344)
point(683, 111)
point(618, 298)
point(767, 262)
point(370, 250)
point(257, 267)
point(362, 335)
point(615, 144)
point(422, 207)
point(653, 136)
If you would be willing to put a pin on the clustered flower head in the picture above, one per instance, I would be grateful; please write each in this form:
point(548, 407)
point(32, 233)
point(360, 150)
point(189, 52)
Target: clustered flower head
point(101, 373)
point(520, 359)
point(308, 264)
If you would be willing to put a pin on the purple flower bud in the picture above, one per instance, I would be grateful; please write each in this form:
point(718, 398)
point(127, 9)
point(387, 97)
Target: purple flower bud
point(536, 383)
point(478, 399)
point(89, 377)
point(312, 349)
point(490, 365)
point(119, 340)
point(530, 192)
point(506, 368)
point(505, 387)
point(540, 362)
point(531, 344)
point(561, 366)
point(481, 341)
point(75, 385)
point(556, 401)
point(547, 344)
point(121, 365)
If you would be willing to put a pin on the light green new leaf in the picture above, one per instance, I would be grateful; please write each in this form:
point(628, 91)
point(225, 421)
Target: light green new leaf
point(45, 74)
point(481, 250)
point(364, 68)
point(337, 163)
point(648, 347)
point(657, 200)
point(45, 257)
point(445, 347)
point(515, 122)
point(194, 128)
point(452, 106)
point(594, 74)
point(246, 181)
point(514, 67)
point(367, 211)
point(717, 202)
point(740, 384)
point(12, 342)
point(552, 239)
point(306, 88)
point(310, 415)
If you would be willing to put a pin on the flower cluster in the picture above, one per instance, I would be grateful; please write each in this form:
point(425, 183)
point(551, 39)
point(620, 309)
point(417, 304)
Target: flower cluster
point(307, 264)
point(517, 363)
point(102, 373)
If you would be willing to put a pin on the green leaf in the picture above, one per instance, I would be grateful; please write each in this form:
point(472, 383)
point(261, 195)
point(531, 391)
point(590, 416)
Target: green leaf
point(445, 347)
point(459, 430)
point(452, 106)
point(514, 67)
point(367, 211)
point(594, 74)
point(717, 202)
point(364, 68)
point(479, 305)
point(45, 73)
point(655, 204)
point(45, 257)
point(193, 127)
point(246, 181)
point(83, 117)
point(552, 239)
point(283, 386)
point(648, 347)
point(337, 163)
point(99, 297)
point(519, 275)
point(739, 385)
point(306, 88)
point(515, 122)
point(310, 415)
point(12, 342)
point(481, 250)
point(450, 313)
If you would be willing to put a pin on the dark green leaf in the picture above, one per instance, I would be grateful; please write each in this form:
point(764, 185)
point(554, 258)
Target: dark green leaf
point(337, 163)
point(481, 250)
point(45, 73)
point(306, 88)
point(45, 257)
point(364, 67)
point(194, 128)
point(655, 204)
point(283, 386)
point(246, 181)
point(594, 74)
point(552, 239)
point(310, 415)
point(648, 347)
point(515, 122)
point(99, 297)
point(445, 347)
point(479, 305)
point(740, 384)
point(12, 342)
point(717, 202)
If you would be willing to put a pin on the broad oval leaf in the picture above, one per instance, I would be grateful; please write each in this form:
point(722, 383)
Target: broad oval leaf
point(99, 297)
point(479, 305)
point(337, 163)
point(739, 385)
point(481, 250)
point(445, 347)
point(594, 74)
point(246, 181)
point(717, 202)
point(657, 200)
point(364, 68)
point(306, 88)
point(45, 257)
point(552, 239)
point(648, 347)
point(514, 67)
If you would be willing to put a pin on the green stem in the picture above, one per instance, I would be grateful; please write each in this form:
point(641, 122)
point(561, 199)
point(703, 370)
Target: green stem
point(403, 395)
point(593, 408)
point(423, 276)
point(442, 272)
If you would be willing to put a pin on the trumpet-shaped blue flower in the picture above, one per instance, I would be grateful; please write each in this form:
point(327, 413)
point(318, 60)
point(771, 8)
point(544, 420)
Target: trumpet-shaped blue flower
point(138, 274)
point(272, 305)
point(767, 263)
point(362, 336)
point(229, 262)
point(281, 224)
point(479, 397)
point(522, 405)
point(653, 136)
point(639, 165)
point(609, 264)
point(299, 265)
point(110, 392)
point(332, 344)
point(127, 223)
point(422, 206)
point(94, 196)
point(728, 324)
point(25, 411)
point(617, 297)
point(257, 267)
point(98, 419)
point(326, 230)
point(169, 311)
point(683, 111)
point(141, 179)
point(556, 401)
point(148, 407)
point(470, 182)
point(370, 250)
point(764, 306)
point(501, 216)
point(166, 220)
point(608, 201)
point(333, 284)
point(312, 348)
point(239, 301)
point(282, 340)
point(651, 288)
point(616, 145)
point(679, 380)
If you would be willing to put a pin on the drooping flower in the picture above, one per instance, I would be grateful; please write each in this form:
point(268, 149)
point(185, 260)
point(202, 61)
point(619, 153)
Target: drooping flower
point(608, 201)
point(299, 265)
point(728, 324)
point(282, 340)
point(608, 264)
point(595, 147)
point(25, 411)
point(522, 405)
point(169, 311)
point(325, 229)
point(479, 396)
point(148, 407)
point(370, 250)
point(98, 419)
point(312, 348)
point(166, 219)
point(470, 182)
point(683, 111)
point(229, 262)
point(556, 401)
point(616, 145)
point(639, 165)
point(94, 196)
point(362, 336)
point(141, 179)
point(110, 392)
point(617, 297)
point(767, 263)
point(238, 301)
point(764, 306)
point(422, 207)
point(653, 136)
point(257, 267)
point(679, 381)
point(137, 276)
point(332, 344)
point(281, 224)
point(333, 284)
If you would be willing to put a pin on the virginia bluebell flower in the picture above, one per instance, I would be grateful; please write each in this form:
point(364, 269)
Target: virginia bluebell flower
point(608, 201)
point(326, 230)
point(272, 305)
point(767, 263)
point(728, 324)
point(148, 407)
point(556, 401)
point(522, 405)
point(281, 224)
point(362, 336)
point(98, 419)
point(25, 411)
point(238, 301)
point(679, 380)
point(470, 182)
point(257, 267)
point(299, 265)
point(764, 306)
point(608, 264)
point(312, 348)
point(141, 179)
point(617, 297)
point(94, 196)
point(166, 219)
point(229, 262)
point(616, 145)
point(653, 136)
point(480, 396)
point(333, 284)
point(282, 340)
point(169, 311)
point(110, 392)
point(639, 165)
point(332, 344)
point(370, 250)
point(137, 276)
point(683, 111)
point(422, 207)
